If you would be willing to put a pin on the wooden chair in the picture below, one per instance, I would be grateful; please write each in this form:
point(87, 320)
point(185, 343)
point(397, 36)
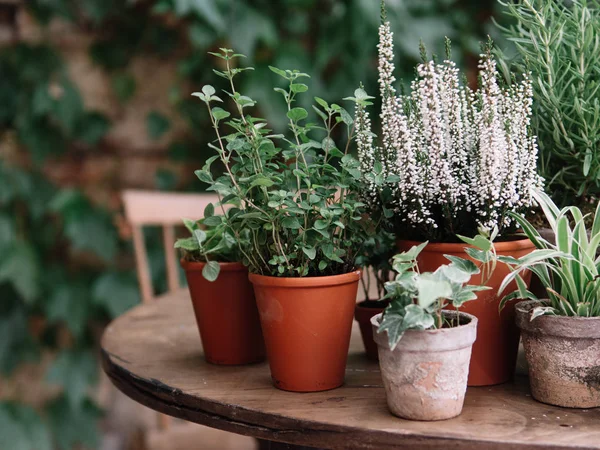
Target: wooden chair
point(146, 208)
point(151, 208)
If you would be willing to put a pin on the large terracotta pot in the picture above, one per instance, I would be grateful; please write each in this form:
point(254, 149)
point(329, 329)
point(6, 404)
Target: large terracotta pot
point(563, 354)
point(307, 324)
point(425, 376)
point(363, 312)
point(226, 314)
point(495, 351)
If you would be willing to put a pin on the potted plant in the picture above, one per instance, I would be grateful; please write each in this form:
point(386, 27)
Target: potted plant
point(296, 195)
point(561, 333)
point(424, 350)
point(376, 266)
point(557, 42)
point(221, 294)
point(455, 161)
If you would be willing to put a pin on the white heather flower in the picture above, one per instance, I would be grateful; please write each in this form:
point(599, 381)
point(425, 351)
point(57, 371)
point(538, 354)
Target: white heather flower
point(459, 159)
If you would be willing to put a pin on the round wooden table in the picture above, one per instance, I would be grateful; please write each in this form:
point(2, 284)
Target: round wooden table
point(153, 354)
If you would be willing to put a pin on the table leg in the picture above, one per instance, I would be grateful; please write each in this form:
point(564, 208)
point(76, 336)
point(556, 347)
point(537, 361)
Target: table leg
point(272, 445)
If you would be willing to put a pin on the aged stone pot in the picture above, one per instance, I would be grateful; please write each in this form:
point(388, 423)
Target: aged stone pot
point(425, 376)
point(563, 354)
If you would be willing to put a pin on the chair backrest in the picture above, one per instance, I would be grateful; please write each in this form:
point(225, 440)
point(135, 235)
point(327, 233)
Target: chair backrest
point(164, 209)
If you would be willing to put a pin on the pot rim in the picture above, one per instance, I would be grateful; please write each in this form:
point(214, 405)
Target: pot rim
point(302, 282)
point(376, 319)
point(431, 340)
point(457, 247)
point(564, 326)
point(194, 266)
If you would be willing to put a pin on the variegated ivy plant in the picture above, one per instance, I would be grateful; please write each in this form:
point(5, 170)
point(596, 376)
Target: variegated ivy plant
point(569, 268)
point(296, 194)
point(417, 299)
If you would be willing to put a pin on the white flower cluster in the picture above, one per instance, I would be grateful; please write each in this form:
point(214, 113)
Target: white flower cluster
point(454, 155)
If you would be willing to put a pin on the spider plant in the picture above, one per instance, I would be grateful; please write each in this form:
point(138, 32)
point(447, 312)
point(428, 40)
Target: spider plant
point(568, 269)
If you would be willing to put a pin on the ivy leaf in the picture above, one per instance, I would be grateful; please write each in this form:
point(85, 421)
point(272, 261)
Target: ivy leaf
point(116, 292)
point(207, 10)
point(68, 107)
point(74, 425)
point(69, 303)
point(209, 211)
point(124, 86)
point(21, 428)
point(20, 266)
point(91, 128)
point(211, 270)
point(75, 371)
point(157, 125)
point(430, 289)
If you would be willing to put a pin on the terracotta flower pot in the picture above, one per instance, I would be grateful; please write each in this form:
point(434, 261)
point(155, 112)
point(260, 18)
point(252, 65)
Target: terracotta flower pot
point(495, 352)
point(425, 376)
point(363, 312)
point(563, 354)
point(226, 314)
point(307, 323)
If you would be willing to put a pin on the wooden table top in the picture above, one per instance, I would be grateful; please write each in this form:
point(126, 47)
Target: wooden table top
point(153, 354)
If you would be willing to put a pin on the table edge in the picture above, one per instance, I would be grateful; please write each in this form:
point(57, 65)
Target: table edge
point(171, 401)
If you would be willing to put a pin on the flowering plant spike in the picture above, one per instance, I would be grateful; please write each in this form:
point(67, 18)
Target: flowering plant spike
point(453, 160)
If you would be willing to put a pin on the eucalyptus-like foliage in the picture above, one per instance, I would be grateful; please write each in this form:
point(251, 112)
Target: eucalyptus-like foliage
point(417, 299)
point(568, 269)
point(296, 195)
point(559, 43)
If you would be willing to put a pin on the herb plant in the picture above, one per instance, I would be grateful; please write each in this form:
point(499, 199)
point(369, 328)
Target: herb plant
point(418, 299)
point(569, 269)
point(376, 259)
point(453, 159)
point(296, 194)
point(559, 43)
point(211, 242)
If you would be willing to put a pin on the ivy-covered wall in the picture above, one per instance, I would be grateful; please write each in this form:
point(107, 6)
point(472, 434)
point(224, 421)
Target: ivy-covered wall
point(94, 98)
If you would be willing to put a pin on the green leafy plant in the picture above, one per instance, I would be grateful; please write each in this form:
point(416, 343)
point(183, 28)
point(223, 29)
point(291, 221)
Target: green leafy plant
point(558, 43)
point(297, 194)
point(210, 242)
point(417, 299)
point(376, 259)
point(568, 269)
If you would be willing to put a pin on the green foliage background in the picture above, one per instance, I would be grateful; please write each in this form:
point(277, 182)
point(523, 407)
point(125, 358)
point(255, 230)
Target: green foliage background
point(61, 259)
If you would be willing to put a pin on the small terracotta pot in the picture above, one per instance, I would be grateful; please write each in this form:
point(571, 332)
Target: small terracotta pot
point(495, 352)
point(363, 312)
point(425, 376)
point(307, 324)
point(563, 354)
point(226, 314)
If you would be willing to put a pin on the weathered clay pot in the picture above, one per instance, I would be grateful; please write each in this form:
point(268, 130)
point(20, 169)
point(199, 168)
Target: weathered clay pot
point(563, 354)
point(495, 352)
point(307, 322)
point(363, 311)
point(425, 376)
